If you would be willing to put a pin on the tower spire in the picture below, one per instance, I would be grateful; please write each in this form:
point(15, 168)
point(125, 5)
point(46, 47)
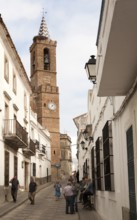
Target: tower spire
point(43, 31)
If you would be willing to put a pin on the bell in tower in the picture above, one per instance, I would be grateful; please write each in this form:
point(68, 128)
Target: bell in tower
point(46, 59)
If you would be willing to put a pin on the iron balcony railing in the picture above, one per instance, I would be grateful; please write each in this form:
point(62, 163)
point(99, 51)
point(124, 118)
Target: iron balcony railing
point(31, 150)
point(15, 134)
point(32, 146)
point(42, 150)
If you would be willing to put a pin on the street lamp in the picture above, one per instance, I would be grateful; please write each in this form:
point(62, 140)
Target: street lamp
point(85, 134)
point(90, 69)
point(83, 145)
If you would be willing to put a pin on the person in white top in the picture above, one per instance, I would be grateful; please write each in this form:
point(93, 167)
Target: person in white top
point(68, 194)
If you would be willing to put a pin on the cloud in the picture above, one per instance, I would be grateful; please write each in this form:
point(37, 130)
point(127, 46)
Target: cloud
point(74, 25)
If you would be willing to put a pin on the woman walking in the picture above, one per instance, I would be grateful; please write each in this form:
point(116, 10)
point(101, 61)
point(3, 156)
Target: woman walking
point(57, 187)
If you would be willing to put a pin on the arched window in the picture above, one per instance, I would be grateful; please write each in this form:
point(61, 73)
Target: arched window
point(46, 59)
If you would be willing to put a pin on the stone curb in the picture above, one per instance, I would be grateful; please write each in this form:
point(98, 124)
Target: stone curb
point(7, 207)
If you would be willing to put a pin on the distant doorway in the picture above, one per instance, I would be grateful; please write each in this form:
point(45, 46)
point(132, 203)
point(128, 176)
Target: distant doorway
point(26, 173)
point(47, 174)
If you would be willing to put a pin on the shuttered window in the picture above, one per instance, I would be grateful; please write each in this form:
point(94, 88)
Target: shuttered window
point(108, 156)
point(99, 163)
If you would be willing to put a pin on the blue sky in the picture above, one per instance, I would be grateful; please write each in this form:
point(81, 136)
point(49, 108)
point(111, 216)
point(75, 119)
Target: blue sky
point(74, 25)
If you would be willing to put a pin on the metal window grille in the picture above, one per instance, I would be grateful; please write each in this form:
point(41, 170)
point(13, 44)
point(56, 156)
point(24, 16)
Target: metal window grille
point(108, 156)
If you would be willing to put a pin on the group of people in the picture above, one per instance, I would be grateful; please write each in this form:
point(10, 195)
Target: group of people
point(86, 189)
point(15, 186)
point(72, 190)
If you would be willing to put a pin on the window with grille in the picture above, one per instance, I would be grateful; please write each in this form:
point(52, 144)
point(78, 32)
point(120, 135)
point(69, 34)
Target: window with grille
point(99, 163)
point(46, 59)
point(108, 156)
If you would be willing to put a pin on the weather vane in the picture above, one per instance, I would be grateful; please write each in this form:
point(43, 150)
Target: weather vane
point(43, 12)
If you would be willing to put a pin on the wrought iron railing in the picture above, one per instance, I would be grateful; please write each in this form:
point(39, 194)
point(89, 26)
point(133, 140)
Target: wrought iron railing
point(13, 128)
point(32, 146)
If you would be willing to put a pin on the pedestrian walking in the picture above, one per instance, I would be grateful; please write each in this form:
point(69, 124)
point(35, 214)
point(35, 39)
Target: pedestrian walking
point(32, 191)
point(68, 194)
point(57, 187)
point(14, 188)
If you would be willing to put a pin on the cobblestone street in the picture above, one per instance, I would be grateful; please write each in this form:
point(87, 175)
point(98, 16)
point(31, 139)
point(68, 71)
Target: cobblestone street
point(46, 208)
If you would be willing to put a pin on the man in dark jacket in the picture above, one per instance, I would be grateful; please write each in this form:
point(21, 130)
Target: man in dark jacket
point(14, 188)
point(32, 191)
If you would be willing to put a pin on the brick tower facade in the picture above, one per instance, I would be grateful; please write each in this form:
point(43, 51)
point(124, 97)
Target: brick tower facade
point(45, 97)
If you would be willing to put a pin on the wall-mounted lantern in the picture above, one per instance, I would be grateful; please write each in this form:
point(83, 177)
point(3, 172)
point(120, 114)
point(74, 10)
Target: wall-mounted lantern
point(90, 69)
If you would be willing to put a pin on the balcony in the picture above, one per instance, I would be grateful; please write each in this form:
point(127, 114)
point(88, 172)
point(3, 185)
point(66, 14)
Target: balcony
point(31, 150)
point(14, 134)
point(42, 150)
point(117, 48)
point(37, 144)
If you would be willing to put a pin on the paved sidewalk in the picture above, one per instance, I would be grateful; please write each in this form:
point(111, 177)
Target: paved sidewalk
point(21, 198)
point(87, 214)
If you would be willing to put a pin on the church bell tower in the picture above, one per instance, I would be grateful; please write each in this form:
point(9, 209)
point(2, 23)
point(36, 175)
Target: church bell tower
point(45, 97)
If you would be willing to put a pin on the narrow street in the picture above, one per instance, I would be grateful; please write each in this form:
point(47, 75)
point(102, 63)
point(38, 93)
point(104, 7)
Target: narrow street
point(46, 208)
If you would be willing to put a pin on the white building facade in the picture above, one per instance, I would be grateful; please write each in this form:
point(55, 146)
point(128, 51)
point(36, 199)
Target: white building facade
point(41, 161)
point(17, 147)
point(15, 92)
point(112, 113)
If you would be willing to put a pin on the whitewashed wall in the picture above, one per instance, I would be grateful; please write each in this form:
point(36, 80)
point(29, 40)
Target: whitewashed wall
point(42, 135)
point(103, 109)
point(17, 100)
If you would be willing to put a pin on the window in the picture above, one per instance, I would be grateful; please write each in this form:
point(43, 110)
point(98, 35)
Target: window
point(99, 163)
point(15, 166)
point(6, 69)
point(46, 59)
point(108, 156)
point(25, 105)
point(34, 169)
point(14, 84)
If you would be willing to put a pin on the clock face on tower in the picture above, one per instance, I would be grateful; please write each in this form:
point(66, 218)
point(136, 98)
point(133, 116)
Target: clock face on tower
point(51, 105)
